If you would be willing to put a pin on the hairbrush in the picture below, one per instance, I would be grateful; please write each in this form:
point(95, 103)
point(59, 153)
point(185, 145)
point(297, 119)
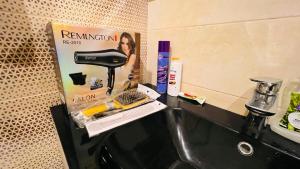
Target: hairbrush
point(124, 101)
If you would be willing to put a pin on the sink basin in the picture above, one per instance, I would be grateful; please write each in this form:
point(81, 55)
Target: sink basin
point(176, 138)
point(207, 145)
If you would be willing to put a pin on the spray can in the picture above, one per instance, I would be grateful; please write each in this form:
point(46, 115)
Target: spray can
point(163, 66)
point(174, 79)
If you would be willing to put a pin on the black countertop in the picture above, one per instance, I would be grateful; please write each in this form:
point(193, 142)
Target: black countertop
point(148, 142)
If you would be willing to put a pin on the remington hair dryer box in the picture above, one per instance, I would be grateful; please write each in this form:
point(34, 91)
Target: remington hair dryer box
point(93, 64)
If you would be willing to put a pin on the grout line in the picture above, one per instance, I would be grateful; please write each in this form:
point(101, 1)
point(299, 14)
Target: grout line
point(74, 22)
point(215, 90)
point(26, 97)
point(222, 23)
point(26, 14)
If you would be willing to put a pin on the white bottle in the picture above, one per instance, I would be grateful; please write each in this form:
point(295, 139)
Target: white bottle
point(174, 77)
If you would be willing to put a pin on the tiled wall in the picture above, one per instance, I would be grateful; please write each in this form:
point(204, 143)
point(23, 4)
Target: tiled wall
point(28, 88)
point(223, 43)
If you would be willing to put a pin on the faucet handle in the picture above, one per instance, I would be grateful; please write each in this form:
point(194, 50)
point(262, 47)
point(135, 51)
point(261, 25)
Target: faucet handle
point(267, 85)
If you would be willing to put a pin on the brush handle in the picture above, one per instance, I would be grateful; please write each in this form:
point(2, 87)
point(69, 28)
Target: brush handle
point(100, 109)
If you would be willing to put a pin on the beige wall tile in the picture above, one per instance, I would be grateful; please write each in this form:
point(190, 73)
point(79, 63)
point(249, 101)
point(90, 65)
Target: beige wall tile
point(276, 44)
point(222, 100)
point(176, 13)
point(221, 58)
point(211, 56)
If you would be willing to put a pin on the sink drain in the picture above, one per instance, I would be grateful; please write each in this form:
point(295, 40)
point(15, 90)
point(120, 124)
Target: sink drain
point(245, 148)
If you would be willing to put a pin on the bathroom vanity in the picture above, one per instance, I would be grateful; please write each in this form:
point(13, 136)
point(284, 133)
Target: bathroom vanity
point(183, 136)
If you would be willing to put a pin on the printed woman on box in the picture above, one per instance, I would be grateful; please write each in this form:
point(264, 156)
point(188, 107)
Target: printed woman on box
point(127, 46)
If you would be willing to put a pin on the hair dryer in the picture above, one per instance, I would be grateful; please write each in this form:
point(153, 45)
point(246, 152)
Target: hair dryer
point(110, 58)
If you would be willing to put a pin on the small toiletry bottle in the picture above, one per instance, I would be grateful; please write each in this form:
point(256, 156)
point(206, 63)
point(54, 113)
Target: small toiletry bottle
point(163, 66)
point(174, 79)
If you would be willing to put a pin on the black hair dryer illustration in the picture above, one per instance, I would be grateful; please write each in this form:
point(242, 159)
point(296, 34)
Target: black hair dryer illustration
point(110, 58)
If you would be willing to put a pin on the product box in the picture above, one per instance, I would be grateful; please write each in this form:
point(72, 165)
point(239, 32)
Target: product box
point(93, 64)
point(294, 108)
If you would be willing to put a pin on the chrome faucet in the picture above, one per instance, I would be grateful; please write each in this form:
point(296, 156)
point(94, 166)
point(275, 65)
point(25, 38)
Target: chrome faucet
point(262, 104)
point(264, 97)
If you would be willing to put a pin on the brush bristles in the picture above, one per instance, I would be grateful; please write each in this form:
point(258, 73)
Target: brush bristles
point(130, 96)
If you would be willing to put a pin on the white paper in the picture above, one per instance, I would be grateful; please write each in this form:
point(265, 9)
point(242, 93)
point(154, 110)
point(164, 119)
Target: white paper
point(148, 91)
point(100, 125)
